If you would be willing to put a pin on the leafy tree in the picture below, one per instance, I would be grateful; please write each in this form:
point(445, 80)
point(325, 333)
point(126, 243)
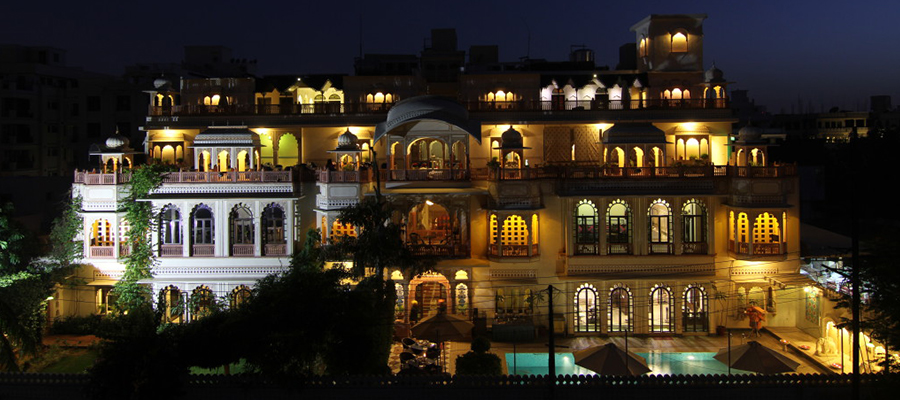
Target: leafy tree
point(26, 282)
point(142, 219)
point(478, 361)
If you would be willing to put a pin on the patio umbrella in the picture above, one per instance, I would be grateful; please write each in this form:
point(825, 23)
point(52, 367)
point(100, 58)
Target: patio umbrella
point(757, 358)
point(443, 327)
point(609, 359)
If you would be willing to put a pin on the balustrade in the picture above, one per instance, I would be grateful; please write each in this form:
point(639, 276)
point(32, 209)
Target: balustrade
point(102, 251)
point(275, 249)
point(171, 250)
point(203, 250)
point(242, 249)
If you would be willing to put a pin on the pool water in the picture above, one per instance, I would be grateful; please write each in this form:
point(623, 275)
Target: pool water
point(659, 363)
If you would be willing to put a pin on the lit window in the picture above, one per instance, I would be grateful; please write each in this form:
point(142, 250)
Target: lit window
point(587, 309)
point(679, 43)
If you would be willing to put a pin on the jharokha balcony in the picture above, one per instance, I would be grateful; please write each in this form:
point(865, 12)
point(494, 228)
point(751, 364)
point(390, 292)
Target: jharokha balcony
point(332, 108)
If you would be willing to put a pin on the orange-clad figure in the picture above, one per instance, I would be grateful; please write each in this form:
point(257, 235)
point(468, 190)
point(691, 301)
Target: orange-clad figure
point(757, 316)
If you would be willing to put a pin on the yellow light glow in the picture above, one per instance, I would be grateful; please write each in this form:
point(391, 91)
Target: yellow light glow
point(429, 202)
point(689, 126)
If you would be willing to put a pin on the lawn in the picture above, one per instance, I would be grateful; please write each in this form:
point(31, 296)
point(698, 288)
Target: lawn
point(72, 361)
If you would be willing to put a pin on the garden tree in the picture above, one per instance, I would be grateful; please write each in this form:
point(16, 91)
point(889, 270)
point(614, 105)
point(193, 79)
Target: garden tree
point(26, 281)
point(478, 361)
point(142, 219)
point(138, 358)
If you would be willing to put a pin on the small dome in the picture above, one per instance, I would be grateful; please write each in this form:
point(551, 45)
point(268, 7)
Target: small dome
point(159, 83)
point(421, 105)
point(347, 141)
point(511, 138)
point(714, 74)
point(117, 141)
point(749, 134)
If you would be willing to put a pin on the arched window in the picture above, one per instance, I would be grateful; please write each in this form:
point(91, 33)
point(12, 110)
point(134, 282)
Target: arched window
point(239, 296)
point(694, 309)
point(662, 309)
point(202, 232)
point(766, 235)
point(693, 216)
point(621, 309)
point(587, 228)
point(101, 233)
point(462, 298)
point(242, 235)
point(642, 47)
point(170, 226)
point(660, 225)
point(172, 304)
point(679, 43)
point(618, 221)
point(273, 231)
point(202, 302)
point(587, 309)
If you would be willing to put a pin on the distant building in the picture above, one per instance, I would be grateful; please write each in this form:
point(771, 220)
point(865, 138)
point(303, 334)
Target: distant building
point(50, 113)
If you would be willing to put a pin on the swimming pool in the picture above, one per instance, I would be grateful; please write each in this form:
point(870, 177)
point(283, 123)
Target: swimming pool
point(659, 363)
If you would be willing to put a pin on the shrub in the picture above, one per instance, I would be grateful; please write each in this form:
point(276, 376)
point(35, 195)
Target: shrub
point(75, 325)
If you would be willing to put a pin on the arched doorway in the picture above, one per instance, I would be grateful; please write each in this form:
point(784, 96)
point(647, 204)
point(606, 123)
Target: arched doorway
point(430, 294)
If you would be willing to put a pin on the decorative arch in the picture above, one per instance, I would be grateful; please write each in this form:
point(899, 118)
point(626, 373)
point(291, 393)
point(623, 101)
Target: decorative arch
point(659, 229)
point(239, 296)
point(694, 227)
point(587, 309)
point(170, 230)
point(171, 301)
point(202, 231)
point(662, 309)
point(273, 225)
point(202, 302)
point(621, 309)
point(679, 42)
point(241, 230)
point(695, 309)
point(618, 222)
point(587, 228)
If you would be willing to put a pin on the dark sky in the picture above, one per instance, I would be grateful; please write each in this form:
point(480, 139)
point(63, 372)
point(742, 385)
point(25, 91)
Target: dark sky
point(825, 53)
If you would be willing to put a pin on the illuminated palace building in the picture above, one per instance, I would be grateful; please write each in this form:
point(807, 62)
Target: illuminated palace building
point(627, 189)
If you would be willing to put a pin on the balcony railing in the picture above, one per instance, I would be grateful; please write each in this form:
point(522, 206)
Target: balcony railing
point(203, 250)
point(757, 249)
point(694, 248)
point(439, 250)
point(242, 249)
point(618, 248)
point(360, 176)
point(171, 250)
point(276, 249)
point(426, 175)
point(662, 248)
point(103, 251)
point(93, 178)
point(513, 250)
point(333, 108)
point(124, 250)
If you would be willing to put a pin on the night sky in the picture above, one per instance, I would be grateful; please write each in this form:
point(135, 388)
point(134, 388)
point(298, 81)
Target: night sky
point(825, 53)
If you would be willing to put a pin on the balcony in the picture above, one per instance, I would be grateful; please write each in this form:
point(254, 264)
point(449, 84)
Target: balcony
point(661, 248)
point(439, 250)
point(361, 176)
point(242, 250)
point(334, 108)
point(171, 250)
point(513, 250)
point(93, 178)
point(275, 250)
point(203, 250)
point(694, 248)
point(757, 249)
point(618, 249)
point(102, 251)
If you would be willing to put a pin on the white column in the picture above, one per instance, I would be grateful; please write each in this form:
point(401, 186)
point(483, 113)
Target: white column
point(186, 239)
point(289, 215)
point(221, 220)
point(257, 229)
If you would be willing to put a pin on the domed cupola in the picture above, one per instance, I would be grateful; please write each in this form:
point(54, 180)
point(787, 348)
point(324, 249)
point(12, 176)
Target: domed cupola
point(347, 142)
point(714, 74)
point(115, 153)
